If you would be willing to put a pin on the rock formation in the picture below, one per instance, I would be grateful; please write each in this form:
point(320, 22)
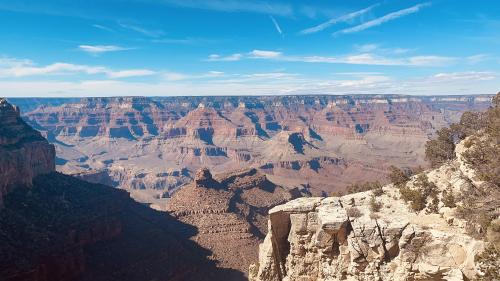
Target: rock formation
point(57, 227)
point(24, 153)
point(372, 235)
point(229, 211)
point(151, 146)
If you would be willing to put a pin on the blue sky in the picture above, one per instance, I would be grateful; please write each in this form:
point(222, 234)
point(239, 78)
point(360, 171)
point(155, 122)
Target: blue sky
point(237, 47)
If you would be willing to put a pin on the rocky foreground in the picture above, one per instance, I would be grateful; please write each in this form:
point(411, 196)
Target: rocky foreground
point(374, 235)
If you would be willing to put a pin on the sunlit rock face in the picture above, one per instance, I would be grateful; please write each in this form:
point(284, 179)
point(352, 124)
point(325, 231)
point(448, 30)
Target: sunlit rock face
point(316, 239)
point(344, 238)
point(24, 153)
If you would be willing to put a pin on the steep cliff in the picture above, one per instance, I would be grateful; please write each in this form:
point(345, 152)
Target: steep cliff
point(24, 153)
point(376, 235)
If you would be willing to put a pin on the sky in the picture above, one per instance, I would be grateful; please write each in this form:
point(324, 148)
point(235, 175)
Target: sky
point(72, 48)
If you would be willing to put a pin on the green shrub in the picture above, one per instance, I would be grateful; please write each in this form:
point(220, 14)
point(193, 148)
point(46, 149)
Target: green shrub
point(448, 198)
point(365, 186)
point(442, 149)
point(398, 176)
point(417, 196)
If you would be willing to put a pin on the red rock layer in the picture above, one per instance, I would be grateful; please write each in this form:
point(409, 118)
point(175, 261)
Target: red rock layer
point(24, 153)
point(229, 212)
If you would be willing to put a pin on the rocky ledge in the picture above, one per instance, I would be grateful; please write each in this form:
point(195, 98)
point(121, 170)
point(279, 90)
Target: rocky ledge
point(372, 236)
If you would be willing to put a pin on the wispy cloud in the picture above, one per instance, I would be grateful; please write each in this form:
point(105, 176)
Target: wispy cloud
point(261, 54)
point(142, 30)
point(344, 18)
point(12, 68)
point(129, 73)
point(217, 57)
point(475, 59)
point(102, 27)
point(367, 47)
point(276, 25)
point(252, 6)
point(263, 84)
point(468, 76)
point(176, 40)
point(100, 49)
point(381, 20)
point(355, 59)
point(177, 76)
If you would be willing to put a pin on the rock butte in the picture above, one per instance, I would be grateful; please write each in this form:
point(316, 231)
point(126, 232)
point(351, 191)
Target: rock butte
point(230, 213)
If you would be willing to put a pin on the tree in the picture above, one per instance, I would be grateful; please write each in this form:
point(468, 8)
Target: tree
point(398, 176)
point(442, 149)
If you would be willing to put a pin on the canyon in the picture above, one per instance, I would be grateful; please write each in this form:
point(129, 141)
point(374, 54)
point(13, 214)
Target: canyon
point(58, 227)
point(208, 225)
point(152, 146)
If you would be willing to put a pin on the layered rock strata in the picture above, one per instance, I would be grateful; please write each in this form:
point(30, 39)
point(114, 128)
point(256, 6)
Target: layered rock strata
point(229, 211)
point(24, 153)
point(281, 136)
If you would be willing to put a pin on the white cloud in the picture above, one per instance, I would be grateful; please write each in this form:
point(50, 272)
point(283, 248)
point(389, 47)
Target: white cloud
point(233, 57)
point(99, 49)
point(13, 62)
point(265, 54)
point(260, 84)
point(357, 59)
point(431, 61)
point(466, 76)
point(381, 20)
point(176, 76)
point(273, 83)
point(13, 68)
point(130, 73)
point(344, 18)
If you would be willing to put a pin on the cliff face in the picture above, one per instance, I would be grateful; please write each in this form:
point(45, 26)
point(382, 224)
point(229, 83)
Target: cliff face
point(151, 146)
point(368, 236)
point(24, 153)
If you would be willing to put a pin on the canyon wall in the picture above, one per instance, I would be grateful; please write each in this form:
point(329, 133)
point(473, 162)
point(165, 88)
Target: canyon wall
point(151, 146)
point(24, 153)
